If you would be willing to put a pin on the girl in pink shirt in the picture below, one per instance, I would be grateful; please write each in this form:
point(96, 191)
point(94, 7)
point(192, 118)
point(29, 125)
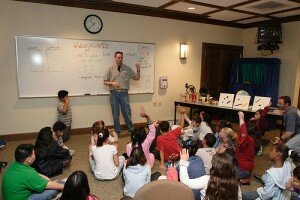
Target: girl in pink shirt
point(139, 137)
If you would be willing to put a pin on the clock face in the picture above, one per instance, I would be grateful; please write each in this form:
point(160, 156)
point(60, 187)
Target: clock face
point(93, 24)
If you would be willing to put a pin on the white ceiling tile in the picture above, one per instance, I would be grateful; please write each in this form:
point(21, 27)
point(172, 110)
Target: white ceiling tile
point(183, 7)
point(224, 3)
point(257, 19)
point(228, 15)
point(287, 14)
point(150, 3)
point(267, 6)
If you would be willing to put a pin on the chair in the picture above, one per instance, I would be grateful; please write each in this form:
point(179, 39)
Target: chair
point(164, 189)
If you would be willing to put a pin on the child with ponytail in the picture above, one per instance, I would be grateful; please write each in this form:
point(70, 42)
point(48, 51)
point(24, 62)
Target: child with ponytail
point(105, 162)
point(277, 176)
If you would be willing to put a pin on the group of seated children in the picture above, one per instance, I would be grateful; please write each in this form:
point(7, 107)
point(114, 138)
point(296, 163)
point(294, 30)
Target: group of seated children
point(210, 164)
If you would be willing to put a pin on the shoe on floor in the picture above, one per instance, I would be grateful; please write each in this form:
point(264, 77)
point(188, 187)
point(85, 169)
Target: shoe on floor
point(72, 152)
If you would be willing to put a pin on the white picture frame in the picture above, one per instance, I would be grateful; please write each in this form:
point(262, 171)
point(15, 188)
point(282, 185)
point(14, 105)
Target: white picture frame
point(260, 102)
point(226, 100)
point(241, 102)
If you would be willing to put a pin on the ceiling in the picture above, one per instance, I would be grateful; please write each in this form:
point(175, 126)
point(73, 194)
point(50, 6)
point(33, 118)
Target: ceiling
point(232, 13)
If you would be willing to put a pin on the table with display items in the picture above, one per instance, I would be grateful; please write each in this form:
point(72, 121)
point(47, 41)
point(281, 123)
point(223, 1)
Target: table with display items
point(223, 112)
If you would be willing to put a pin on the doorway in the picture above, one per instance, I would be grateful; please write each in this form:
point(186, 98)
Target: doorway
point(216, 66)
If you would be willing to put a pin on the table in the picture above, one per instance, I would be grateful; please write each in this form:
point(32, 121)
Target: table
point(213, 108)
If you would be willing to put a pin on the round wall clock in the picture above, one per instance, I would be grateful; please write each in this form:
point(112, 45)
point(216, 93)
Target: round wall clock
point(93, 24)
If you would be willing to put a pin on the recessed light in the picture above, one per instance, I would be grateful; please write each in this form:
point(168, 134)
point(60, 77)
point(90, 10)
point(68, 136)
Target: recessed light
point(191, 8)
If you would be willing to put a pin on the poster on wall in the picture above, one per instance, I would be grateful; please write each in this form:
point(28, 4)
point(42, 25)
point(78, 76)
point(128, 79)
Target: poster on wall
point(241, 102)
point(226, 100)
point(260, 102)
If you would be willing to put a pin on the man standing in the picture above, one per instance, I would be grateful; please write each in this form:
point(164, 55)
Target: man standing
point(292, 123)
point(117, 78)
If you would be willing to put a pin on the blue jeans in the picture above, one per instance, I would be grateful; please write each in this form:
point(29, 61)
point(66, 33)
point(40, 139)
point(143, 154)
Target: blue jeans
point(242, 174)
point(117, 99)
point(45, 195)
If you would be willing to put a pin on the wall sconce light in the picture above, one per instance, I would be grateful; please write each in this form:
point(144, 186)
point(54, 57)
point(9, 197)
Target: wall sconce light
point(183, 51)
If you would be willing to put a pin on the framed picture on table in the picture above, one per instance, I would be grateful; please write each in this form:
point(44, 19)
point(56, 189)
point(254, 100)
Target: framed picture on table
point(226, 100)
point(241, 102)
point(260, 102)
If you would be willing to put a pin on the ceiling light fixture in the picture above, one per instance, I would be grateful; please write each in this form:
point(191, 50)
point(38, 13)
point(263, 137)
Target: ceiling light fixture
point(191, 8)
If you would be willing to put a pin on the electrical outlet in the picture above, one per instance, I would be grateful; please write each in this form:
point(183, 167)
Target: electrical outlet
point(159, 104)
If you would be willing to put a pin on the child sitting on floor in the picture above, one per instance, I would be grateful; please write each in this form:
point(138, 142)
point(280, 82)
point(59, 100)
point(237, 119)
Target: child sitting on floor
point(105, 162)
point(293, 183)
point(140, 138)
point(220, 124)
point(276, 177)
point(207, 151)
point(58, 133)
point(136, 172)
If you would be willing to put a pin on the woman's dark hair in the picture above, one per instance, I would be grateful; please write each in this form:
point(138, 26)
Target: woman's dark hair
point(222, 182)
point(62, 93)
point(138, 136)
point(164, 126)
point(210, 139)
point(76, 187)
point(193, 147)
point(98, 127)
point(296, 172)
point(102, 137)
point(44, 144)
point(136, 157)
point(23, 151)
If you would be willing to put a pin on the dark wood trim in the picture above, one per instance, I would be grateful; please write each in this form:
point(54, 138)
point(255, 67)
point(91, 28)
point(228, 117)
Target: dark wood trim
point(242, 19)
point(168, 4)
point(282, 11)
point(138, 10)
point(242, 3)
point(76, 131)
point(109, 5)
point(281, 20)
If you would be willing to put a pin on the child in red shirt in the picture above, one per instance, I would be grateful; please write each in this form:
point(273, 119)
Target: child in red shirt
point(167, 143)
point(244, 151)
point(258, 122)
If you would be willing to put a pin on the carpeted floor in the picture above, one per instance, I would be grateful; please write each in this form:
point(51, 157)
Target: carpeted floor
point(113, 190)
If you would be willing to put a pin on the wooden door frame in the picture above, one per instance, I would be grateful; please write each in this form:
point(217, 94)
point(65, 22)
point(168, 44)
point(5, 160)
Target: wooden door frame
point(221, 46)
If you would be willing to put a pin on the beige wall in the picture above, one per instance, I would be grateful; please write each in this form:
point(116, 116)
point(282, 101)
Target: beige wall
point(29, 115)
point(289, 53)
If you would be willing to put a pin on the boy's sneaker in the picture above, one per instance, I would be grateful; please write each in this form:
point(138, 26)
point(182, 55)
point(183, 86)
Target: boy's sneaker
point(2, 143)
point(259, 153)
point(3, 164)
point(72, 152)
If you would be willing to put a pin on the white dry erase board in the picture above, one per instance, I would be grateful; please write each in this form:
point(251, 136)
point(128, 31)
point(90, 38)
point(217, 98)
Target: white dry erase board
point(46, 65)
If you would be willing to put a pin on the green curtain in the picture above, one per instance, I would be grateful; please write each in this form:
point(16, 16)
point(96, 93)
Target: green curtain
point(253, 73)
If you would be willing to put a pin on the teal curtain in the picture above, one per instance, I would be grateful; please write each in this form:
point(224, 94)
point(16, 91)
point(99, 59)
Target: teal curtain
point(257, 76)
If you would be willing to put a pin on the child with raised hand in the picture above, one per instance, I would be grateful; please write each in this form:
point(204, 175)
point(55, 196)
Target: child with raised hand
point(277, 176)
point(77, 188)
point(259, 122)
point(191, 132)
point(205, 125)
point(136, 172)
point(244, 152)
point(215, 186)
point(140, 138)
point(167, 143)
point(105, 162)
point(293, 183)
point(64, 112)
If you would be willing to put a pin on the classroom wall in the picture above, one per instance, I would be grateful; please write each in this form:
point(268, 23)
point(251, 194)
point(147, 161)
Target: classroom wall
point(289, 53)
point(30, 115)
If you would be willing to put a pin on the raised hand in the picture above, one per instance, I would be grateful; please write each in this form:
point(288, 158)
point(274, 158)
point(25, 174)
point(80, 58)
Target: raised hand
point(184, 154)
